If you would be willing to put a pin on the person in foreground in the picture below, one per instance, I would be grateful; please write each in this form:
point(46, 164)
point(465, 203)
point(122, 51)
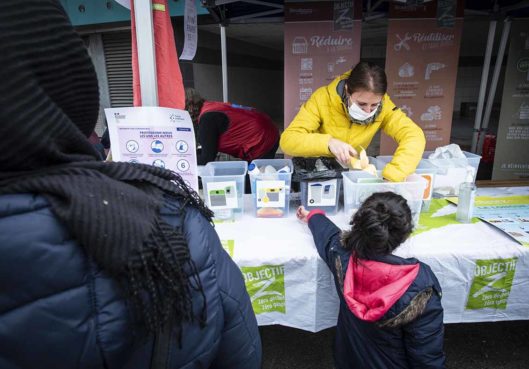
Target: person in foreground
point(390, 307)
point(239, 131)
point(342, 118)
point(103, 265)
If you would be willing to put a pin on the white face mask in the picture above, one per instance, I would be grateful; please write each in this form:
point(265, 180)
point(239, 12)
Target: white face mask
point(358, 114)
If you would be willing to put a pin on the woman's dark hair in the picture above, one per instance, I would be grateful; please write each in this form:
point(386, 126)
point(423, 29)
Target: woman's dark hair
point(194, 104)
point(381, 224)
point(368, 77)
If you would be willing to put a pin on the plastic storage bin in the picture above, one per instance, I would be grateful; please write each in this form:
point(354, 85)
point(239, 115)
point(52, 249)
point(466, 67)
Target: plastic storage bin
point(357, 188)
point(452, 172)
point(271, 191)
point(223, 188)
point(319, 190)
point(425, 169)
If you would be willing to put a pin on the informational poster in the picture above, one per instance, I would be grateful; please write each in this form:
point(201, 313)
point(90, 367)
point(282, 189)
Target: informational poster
point(421, 66)
point(162, 137)
point(511, 159)
point(322, 41)
point(509, 214)
point(190, 31)
point(270, 194)
point(322, 193)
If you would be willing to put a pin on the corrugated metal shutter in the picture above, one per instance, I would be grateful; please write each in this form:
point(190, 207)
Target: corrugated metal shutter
point(118, 53)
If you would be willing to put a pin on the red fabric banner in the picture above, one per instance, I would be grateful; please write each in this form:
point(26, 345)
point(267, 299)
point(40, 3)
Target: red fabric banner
point(169, 78)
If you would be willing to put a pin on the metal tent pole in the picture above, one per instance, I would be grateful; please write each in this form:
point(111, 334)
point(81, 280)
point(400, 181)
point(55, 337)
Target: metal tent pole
point(494, 83)
point(483, 85)
point(146, 52)
point(224, 63)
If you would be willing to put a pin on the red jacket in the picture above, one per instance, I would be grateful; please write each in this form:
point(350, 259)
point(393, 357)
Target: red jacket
point(250, 133)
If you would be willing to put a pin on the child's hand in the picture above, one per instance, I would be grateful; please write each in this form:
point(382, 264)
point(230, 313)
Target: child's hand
point(301, 213)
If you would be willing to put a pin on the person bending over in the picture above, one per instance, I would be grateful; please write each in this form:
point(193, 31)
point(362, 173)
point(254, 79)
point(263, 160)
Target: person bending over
point(343, 117)
point(239, 131)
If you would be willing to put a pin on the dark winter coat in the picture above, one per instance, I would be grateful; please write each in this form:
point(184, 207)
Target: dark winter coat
point(59, 310)
point(390, 307)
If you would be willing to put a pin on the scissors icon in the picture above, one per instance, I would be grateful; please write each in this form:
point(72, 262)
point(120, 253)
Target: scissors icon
point(403, 42)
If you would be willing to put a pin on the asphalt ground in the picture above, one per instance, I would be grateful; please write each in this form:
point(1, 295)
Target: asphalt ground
point(495, 345)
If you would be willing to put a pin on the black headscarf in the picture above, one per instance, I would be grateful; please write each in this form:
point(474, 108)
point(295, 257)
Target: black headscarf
point(49, 104)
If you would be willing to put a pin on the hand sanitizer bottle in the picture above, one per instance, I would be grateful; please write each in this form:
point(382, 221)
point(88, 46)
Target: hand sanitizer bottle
point(465, 201)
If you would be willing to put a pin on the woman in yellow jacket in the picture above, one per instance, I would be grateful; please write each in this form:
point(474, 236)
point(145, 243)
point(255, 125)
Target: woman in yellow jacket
point(347, 114)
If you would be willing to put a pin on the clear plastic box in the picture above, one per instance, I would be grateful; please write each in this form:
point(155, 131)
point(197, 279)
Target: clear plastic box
point(452, 172)
point(426, 169)
point(223, 188)
point(356, 191)
point(271, 191)
point(424, 165)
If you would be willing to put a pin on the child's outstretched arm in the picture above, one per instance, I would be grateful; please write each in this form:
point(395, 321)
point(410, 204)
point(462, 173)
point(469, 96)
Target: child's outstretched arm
point(325, 233)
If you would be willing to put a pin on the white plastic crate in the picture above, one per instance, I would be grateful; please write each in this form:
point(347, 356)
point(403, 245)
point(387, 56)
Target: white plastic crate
point(452, 172)
point(423, 166)
point(356, 192)
point(425, 169)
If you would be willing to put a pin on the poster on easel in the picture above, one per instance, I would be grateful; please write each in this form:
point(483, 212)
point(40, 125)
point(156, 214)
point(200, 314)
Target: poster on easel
point(422, 56)
point(511, 159)
point(162, 137)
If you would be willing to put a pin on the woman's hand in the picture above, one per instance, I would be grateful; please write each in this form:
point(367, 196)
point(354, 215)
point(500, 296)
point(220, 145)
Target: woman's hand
point(302, 213)
point(341, 150)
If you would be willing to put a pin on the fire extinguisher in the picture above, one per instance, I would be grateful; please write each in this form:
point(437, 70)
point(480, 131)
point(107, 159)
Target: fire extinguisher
point(489, 147)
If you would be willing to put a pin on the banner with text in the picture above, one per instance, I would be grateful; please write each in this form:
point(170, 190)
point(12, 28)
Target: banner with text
point(322, 41)
point(511, 159)
point(492, 284)
point(421, 66)
point(266, 287)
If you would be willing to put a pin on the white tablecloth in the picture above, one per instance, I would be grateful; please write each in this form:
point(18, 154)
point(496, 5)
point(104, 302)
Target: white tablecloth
point(484, 274)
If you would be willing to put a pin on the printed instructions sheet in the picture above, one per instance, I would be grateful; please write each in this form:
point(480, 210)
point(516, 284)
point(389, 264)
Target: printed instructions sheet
point(162, 137)
point(509, 214)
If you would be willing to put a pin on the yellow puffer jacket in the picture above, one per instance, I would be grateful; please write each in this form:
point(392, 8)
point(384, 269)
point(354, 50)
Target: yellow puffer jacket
point(324, 116)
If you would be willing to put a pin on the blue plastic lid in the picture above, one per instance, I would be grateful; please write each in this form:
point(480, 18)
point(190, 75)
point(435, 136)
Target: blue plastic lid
point(251, 166)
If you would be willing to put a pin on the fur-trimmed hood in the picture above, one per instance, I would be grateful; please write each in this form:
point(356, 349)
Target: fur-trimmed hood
point(373, 290)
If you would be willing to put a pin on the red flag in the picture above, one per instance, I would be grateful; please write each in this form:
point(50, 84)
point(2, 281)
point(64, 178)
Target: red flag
point(169, 78)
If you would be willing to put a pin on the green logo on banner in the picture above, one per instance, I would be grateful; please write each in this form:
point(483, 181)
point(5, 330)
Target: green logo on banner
point(266, 287)
point(229, 246)
point(492, 283)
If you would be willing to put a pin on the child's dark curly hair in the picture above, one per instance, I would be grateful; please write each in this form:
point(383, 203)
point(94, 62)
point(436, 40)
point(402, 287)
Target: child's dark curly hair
point(381, 224)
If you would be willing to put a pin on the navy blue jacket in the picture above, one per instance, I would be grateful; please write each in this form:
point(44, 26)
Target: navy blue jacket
point(59, 310)
point(364, 344)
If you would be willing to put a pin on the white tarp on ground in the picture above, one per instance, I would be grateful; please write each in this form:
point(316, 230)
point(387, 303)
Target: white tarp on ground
point(484, 274)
